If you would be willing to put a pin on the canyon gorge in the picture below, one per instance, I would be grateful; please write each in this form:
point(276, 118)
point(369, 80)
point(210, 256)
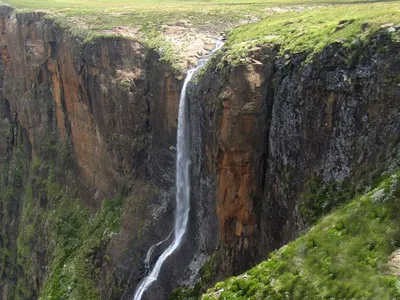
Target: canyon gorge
point(88, 134)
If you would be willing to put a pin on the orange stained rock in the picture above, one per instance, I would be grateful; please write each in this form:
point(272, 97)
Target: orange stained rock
point(237, 135)
point(235, 185)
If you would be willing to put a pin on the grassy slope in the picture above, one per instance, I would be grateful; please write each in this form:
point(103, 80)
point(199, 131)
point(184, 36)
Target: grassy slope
point(312, 30)
point(343, 257)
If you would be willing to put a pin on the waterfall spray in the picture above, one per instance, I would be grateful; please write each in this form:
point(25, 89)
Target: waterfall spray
point(182, 182)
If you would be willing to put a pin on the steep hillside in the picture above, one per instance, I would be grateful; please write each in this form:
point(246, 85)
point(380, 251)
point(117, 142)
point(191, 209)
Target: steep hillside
point(346, 255)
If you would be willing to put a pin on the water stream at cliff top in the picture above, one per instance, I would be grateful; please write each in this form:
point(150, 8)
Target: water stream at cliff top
point(182, 182)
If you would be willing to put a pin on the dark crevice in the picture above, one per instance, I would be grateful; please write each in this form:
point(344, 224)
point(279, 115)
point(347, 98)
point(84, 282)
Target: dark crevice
point(89, 82)
point(67, 124)
point(53, 50)
point(7, 111)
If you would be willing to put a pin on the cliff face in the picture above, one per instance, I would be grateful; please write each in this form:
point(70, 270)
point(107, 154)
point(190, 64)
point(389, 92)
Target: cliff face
point(112, 98)
point(281, 130)
point(94, 118)
point(113, 104)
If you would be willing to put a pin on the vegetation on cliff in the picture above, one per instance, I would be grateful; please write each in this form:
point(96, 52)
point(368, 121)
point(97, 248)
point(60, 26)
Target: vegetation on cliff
point(344, 256)
point(13, 168)
point(319, 198)
point(49, 240)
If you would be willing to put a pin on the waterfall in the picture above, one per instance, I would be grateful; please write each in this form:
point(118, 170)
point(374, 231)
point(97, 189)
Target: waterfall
point(151, 250)
point(182, 181)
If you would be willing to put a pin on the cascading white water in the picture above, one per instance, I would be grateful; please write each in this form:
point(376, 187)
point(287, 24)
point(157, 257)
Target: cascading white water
point(182, 182)
point(151, 250)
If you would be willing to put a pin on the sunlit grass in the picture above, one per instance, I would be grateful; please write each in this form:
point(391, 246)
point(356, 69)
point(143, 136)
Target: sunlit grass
point(211, 15)
point(310, 31)
point(343, 257)
point(315, 29)
point(296, 25)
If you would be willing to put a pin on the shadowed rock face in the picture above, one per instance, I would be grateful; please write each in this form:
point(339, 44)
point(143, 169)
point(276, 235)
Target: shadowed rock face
point(116, 104)
point(259, 132)
point(113, 99)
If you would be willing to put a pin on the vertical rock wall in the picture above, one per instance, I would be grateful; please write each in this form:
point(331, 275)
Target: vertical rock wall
point(115, 103)
point(273, 125)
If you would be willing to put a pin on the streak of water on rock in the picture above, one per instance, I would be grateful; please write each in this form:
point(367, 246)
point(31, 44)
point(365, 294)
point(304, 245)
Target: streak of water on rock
point(182, 182)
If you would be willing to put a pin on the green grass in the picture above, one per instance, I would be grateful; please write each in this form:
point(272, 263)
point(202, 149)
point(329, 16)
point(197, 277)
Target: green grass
point(212, 15)
point(311, 31)
point(296, 26)
point(107, 15)
point(75, 237)
point(78, 238)
point(345, 256)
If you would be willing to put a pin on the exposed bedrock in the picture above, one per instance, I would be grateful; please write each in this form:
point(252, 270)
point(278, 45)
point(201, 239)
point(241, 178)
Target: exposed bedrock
point(267, 128)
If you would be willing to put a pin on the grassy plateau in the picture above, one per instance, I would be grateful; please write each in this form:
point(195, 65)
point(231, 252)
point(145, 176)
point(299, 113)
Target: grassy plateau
point(100, 15)
point(187, 26)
